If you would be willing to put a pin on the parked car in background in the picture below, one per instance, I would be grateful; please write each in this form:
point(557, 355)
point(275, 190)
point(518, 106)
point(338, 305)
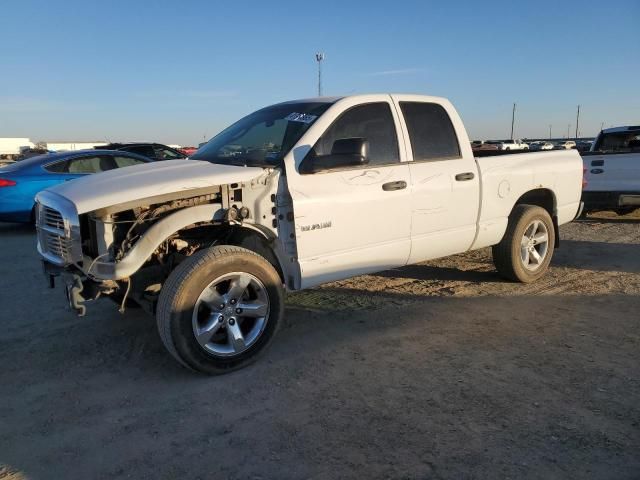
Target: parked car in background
point(21, 181)
point(491, 145)
point(292, 196)
point(564, 145)
point(154, 151)
point(512, 145)
point(584, 145)
point(612, 171)
point(540, 145)
point(188, 150)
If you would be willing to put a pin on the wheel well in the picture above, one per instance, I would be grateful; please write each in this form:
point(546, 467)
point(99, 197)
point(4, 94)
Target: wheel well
point(544, 198)
point(245, 238)
point(541, 197)
point(254, 241)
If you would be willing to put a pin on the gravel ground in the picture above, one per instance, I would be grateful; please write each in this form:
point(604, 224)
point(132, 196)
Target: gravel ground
point(440, 370)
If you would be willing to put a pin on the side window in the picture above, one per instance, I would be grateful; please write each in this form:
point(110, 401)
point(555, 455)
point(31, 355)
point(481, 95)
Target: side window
point(431, 132)
point(145, 151)
point(373, 122)
point(58, 167)
point(166, 154)
point(126, 161)
point(89, 164)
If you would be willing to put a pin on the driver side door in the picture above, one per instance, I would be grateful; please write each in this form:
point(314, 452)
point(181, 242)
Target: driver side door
point(354, 219)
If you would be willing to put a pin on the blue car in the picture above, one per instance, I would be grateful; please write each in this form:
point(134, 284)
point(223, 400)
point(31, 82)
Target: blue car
point(21, 181)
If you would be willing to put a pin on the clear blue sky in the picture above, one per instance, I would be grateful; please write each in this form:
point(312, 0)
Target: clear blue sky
point(175, 71)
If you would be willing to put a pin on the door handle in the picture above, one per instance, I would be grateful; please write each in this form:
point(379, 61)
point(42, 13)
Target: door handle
point(398, 185)
point(597, 163)
point(463, 177)
point(595, 171)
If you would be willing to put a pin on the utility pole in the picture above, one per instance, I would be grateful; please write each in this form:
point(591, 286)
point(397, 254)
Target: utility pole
point(549, 132)
point(319, 59)
point(577, 122)
point(513, 119)
point(568, 131)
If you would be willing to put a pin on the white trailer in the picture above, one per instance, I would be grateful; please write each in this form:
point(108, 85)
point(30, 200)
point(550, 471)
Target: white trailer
point(71, 146)
point(14, 146)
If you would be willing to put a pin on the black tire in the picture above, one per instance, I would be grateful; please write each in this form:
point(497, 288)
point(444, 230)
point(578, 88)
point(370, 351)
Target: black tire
point(507, 254)
point(181, 291)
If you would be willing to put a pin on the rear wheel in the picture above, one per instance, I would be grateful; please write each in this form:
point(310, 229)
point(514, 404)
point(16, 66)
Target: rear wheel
point(220, 309)
point(526, 249)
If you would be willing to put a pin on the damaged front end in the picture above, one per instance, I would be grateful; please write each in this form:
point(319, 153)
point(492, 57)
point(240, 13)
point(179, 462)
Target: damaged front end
point(126, 251)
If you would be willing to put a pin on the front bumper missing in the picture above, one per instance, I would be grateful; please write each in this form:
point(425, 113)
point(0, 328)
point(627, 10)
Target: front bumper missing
point(73, 290)
point(78, 289)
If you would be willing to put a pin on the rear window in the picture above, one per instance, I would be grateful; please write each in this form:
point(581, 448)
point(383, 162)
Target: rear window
point(618, 142)
point(144, 150)
point(431, 132)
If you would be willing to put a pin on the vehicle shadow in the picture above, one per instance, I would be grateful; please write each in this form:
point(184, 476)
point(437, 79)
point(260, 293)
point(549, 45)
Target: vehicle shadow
point(621, 220)
point(430, 272)
point(588, 255)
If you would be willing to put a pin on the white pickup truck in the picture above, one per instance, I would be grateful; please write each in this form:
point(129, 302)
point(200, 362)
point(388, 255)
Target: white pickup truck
point(292, 196)
point(612, 171)
point(512, 145)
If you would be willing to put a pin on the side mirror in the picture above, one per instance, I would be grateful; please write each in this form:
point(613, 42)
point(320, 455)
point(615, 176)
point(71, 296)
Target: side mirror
point(345, 152)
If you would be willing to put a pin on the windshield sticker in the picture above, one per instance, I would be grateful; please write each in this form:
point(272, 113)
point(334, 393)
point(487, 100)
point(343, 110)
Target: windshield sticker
point(300, 117)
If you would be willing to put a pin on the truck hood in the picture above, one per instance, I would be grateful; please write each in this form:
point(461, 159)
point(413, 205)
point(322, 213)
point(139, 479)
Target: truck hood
point(129, 184)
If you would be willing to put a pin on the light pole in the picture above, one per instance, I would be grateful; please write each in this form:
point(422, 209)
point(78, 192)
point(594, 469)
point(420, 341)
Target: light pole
point(549, 132)
point(577, 122)
point(568, 131)
point(513, 119)
point(319, 59)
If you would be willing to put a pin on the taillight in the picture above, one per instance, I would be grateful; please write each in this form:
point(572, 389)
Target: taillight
point(584, 177)
point(6, 183)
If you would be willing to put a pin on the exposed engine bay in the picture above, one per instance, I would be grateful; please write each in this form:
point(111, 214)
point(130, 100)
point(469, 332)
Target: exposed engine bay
point(129, 250)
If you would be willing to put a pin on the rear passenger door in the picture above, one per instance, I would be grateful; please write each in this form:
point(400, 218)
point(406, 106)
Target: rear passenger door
point(445, 188)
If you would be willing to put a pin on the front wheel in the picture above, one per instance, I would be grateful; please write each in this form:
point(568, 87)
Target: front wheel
point(220, 309)
point(525, 251)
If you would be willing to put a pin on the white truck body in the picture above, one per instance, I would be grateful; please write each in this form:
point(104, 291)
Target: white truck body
point(424, 197)
point(434, 217)
point(612, 170)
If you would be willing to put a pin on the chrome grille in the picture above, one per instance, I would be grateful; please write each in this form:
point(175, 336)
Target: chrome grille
point(57, 245)
point(58, 240)
point(51, 218)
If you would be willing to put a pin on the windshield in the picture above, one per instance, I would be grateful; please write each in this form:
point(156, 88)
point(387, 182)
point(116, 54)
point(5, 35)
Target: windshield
point(263, 138)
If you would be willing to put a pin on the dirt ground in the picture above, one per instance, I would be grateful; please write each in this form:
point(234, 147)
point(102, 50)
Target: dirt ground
point(435, 371)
